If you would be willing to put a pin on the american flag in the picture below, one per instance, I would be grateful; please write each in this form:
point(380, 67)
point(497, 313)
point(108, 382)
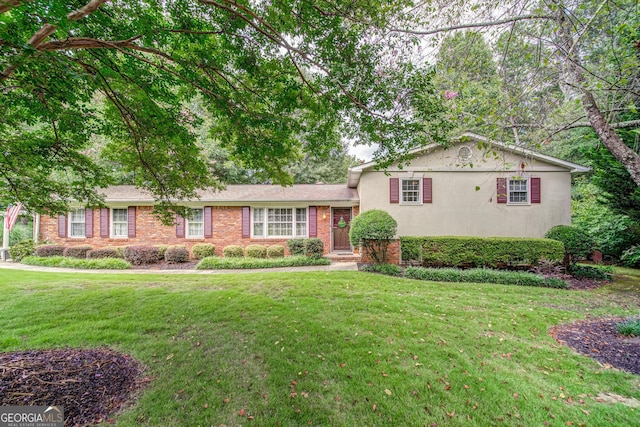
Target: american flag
point(12, 214)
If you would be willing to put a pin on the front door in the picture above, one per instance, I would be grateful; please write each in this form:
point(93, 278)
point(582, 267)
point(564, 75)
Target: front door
point(341, 219)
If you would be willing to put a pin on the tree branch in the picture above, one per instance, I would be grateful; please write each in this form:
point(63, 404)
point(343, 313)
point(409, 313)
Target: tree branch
point(473, 25)
point(7, 5)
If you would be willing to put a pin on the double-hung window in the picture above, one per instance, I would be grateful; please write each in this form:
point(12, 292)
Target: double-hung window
point(279, 222)
point(195, 223)
point(518, 191)
point(410, 191)
point(119, 222)
point(76, 223)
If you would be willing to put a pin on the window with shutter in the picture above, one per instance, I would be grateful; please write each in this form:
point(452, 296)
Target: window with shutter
point(394, 190)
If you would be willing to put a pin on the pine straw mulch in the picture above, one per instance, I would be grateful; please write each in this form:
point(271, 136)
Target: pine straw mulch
point(90, 384)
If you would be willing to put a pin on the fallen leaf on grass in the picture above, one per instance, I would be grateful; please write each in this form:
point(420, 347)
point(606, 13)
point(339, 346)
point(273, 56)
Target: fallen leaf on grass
point(387, 391)
point(375, 408)
point(241, 412)
point(205, 406)
point(226, 400)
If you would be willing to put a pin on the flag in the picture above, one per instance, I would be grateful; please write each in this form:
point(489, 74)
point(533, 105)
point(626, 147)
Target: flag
point(12, 214)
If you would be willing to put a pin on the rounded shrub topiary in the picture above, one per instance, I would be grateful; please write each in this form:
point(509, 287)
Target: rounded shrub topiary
point(22, 249)
point(138, 255)
point(275, 251)
point(578, 244)
point(255, 251)
point(104, 253)
point(203, 250)
point(49, 250)
point(314, 248)
point(296, 247)
point(77, 251)
point(374, 230)
point(176, 254)
point(233, 251)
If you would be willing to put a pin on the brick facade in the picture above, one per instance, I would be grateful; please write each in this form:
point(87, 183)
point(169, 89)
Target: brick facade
point(226, 226)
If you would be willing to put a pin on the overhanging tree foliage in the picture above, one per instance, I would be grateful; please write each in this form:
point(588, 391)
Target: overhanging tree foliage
point(276, 77)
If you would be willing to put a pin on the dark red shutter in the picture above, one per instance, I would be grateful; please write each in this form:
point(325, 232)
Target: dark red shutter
point(208, 224)
point(131, 221)
point(179, 226)
point(62, 226)
point(88, 222)
point(394, 190)
point(104, 222)
point(502, 190)
point(535, 190)
point(246, 222)
point(426, 190)
point(313, 221)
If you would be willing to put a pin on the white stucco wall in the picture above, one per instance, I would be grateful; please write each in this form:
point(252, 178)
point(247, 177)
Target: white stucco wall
point(465, 197)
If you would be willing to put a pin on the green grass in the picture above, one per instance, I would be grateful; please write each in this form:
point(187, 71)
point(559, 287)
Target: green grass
point(326, 348)
point(79, 263)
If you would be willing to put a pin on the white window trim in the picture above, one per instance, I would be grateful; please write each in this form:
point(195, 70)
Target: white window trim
point(420, 189)
point(265, 222)
point(186, 226)
point(509, 202)
point(84, 224)
point(112, 228)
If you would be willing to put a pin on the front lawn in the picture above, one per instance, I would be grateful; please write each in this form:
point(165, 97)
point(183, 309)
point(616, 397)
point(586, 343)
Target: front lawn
point(327, 348)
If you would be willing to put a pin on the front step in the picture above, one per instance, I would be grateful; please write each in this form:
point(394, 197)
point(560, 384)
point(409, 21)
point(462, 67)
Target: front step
point(343, 257)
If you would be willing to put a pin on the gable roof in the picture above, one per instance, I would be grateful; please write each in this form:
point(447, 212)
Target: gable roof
point(242, 194)
point(356, 171)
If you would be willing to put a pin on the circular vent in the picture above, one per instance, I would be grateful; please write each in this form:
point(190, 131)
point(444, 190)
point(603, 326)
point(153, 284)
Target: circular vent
point(465, 153)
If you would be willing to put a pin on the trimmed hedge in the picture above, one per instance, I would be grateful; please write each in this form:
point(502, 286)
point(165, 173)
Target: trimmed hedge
point(77, 251)
point(49, 250)
point(104, 253)
point(85, 264)
point(176, 255)
point(22, 249)
point(495, 252)
point(233, 251)
point(138, 255)
point(203, 250)
point(483, 275)
point(255, 251)
point(312, 247)
point(296, 247)
point(216, 263)
point(275, 251)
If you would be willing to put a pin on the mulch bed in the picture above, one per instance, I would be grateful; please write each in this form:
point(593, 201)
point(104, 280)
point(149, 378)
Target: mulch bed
point(598, 338)
point(89, 384)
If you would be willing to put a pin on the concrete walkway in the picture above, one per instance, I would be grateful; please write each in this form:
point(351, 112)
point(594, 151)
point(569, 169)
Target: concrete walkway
point(336, 266)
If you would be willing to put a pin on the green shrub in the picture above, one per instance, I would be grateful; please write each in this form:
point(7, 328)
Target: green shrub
point(578, 244)
point(233, 251)
point(77, 251)
point(162, 249)
point(49, 250)
point(296, 247)
point(255, 251)
point(483, 275)
point(103, 253)
point(591, 272)
point(629, 327)
point(217, 263)
point(373, 230)
point(493, 252)
point(84, 264)
point(631, 257)
point(203, 250)
point(314, 248)
point(275, 251)
point(176, 255)
point(22, 249)
point(139, 255)
point(387, 269)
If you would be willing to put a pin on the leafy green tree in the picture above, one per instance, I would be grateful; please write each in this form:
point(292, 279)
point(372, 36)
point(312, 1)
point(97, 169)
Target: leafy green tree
point(278, 78)
point(373, 230)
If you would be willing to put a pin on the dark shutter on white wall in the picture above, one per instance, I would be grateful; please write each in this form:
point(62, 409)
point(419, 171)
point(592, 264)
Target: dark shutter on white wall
point(208, 225)
point(104, 222)
point(62, 226)
point(427, 187)
point(535, 190)
point(502, 190)
point(313, 221)
point(179, 226)
point(88, 223)
point(131, 221)
point(394, 190)
point(246, 222)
